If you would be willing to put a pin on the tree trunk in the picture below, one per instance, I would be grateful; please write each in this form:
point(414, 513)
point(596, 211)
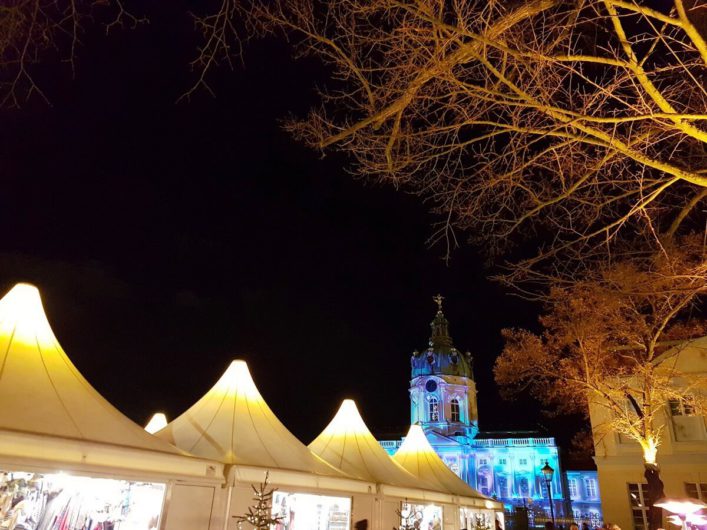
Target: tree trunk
point(655, 492)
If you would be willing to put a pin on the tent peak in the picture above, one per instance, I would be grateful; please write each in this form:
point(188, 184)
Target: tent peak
point(157, 422)
point(25, 286)
point(347, 419)
point(25, 301)
point(237, 379)
point(36, 370)
point(415, 440)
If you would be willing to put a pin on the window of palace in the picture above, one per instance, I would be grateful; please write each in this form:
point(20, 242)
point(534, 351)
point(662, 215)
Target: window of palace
point(483, 484)
point(682, 407)
point(637, 494)
point(696, 490)
point(454, 405)
point(433, 409)
point(590, 487)
point(523, 461)
point(572, 486)
point(502, 461)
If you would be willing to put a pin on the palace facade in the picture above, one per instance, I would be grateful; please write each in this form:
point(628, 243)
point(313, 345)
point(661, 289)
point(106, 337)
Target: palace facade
point(506, 466)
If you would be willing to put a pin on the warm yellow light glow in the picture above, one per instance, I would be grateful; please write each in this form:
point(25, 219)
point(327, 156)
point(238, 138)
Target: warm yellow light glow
point(415, 443)
point(236, 380)
point(22, 317)
point(37, 371)
point(157, 422)
point(233, 424)
point(681, 506)
point(650, 450)
point(348, 420)
point(347, 444)
point(417, 456)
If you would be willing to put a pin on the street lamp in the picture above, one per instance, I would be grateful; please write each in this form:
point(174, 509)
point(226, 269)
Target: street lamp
point(548, 472)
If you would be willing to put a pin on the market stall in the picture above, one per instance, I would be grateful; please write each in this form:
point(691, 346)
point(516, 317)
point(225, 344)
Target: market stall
point(233, 424)
point(474, 509)
point(68, 459)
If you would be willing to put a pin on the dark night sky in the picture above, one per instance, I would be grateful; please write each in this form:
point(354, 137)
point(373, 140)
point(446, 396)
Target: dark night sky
point(169, 239)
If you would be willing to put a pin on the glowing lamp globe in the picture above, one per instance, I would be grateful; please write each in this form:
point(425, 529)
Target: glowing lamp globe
point(681, 507)
point(547, 471)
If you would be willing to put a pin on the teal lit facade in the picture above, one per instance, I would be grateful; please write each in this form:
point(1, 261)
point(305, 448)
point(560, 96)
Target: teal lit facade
point(506, 466)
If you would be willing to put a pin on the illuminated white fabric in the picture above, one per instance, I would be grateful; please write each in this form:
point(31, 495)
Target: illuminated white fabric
point(42, 392)
point(346, 443)
point(417, 456)
point(232, 423)
point(157, 422)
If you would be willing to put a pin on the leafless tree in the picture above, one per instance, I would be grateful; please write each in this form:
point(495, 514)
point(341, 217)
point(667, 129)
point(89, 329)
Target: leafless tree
point(584, 120)
point(35, 30)
point(605, 340)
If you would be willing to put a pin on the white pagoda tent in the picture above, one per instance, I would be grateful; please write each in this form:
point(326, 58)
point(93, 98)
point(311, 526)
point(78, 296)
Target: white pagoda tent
point(51, 413)
point(417, 456)
point(55, 427)
point(233, 424)
point(347, 444)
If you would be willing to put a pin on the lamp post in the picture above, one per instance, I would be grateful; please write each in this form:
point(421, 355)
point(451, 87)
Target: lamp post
point(548, 472)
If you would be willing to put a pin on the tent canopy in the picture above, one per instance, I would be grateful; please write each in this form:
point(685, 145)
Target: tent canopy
point(157, 422)
point(417, 456)
point(347, 444)
point(43, 392)
point(232, 423)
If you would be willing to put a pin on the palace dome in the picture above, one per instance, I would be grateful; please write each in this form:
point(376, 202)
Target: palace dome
point(441, 357)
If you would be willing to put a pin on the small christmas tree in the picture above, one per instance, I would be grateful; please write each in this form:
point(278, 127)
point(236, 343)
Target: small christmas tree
point(260, 514)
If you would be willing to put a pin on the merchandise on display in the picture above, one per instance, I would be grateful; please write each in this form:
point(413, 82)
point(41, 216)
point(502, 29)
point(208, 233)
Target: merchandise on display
point(33, 501)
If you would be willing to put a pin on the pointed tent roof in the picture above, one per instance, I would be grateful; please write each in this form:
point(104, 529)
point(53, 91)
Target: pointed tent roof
point(347, 444)
point(417, 456)
point(43, 393)
point(232, 423)
point(157, 422)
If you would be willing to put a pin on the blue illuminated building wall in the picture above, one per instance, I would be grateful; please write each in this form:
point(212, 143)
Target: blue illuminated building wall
point(583, 491)
point(503, 465)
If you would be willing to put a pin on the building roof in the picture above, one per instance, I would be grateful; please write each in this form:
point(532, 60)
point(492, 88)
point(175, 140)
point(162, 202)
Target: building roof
point(233, 424)
point(441, 357)
point(347, 444)
point(417, 456)
point(43, 393)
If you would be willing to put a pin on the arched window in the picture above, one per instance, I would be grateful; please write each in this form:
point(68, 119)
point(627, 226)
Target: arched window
point(434, 409)
point(454, 405)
